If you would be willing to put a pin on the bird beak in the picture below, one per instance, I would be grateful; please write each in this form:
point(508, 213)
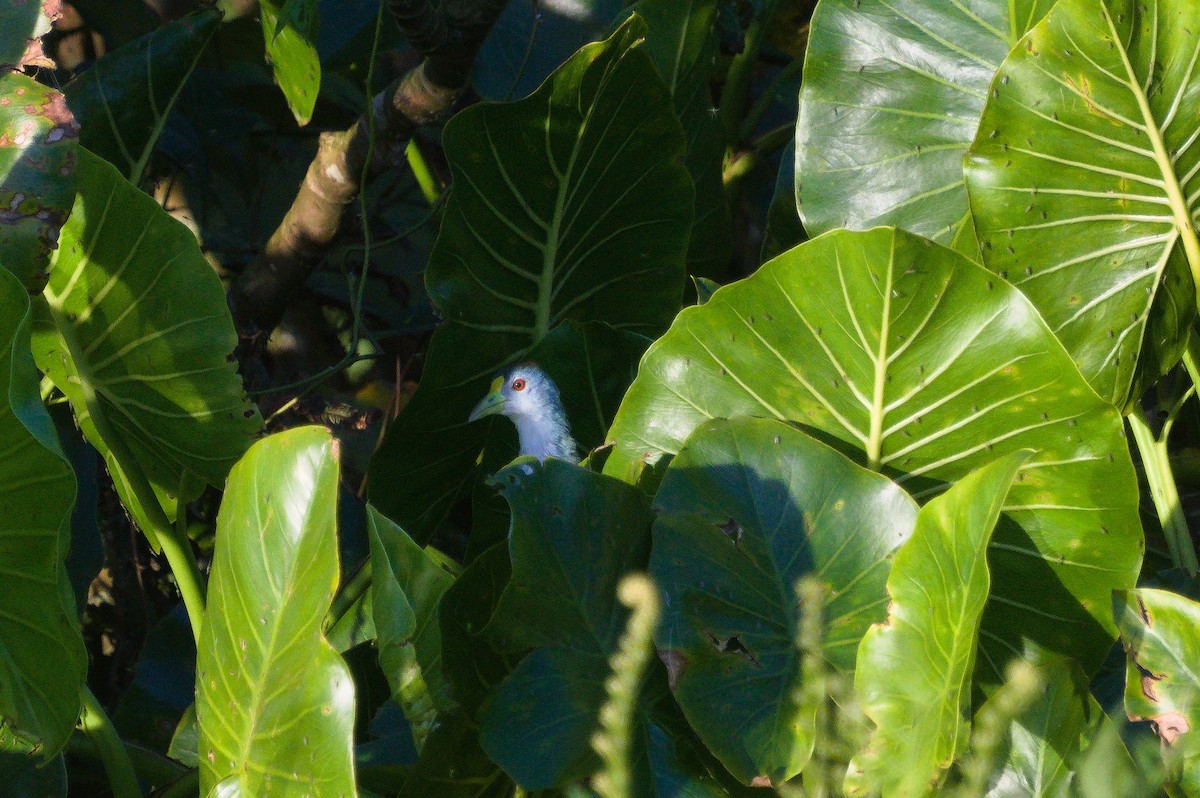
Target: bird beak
point(489, 405)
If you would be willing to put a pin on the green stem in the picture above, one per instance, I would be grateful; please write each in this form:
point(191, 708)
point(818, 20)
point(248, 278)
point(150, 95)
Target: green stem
point(1157, 464)
point(736, 90)
point(764, 102)
point(763, 147)
point(95, 724)
point(421, 171)
point(1191, 359)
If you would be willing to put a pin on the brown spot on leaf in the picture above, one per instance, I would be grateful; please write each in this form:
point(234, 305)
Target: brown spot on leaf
point(732, 530)
point(1169, 726)
point(675, 663)
point(761, 781)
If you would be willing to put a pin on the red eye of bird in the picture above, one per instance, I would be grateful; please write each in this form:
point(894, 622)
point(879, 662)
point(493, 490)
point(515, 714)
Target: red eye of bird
point(518, 384)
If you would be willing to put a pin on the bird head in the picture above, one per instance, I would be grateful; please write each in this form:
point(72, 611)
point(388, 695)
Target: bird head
point(528, 396)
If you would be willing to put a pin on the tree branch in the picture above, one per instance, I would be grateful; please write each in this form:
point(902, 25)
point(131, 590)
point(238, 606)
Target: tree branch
point(449, 39)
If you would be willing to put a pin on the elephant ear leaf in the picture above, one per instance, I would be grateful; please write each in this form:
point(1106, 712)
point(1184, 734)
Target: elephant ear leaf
point(135, 331)
point(43, 664)
point(892, 94)
point(1085, 179)
point(924, 366)
point(592, 226)
point(274, 701)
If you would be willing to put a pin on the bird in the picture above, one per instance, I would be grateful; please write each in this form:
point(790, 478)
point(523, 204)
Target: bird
point(528, 396)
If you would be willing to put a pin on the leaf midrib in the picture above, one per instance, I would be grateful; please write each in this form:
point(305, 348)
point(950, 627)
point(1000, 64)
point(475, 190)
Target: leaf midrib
point(1178, 203)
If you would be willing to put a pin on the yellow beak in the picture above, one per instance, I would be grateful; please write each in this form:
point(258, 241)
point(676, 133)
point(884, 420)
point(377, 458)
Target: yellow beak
point(491, 404)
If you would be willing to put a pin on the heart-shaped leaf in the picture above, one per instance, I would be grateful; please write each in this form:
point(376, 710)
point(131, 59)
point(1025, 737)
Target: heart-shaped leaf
point(1161, 635)
point(1084, 180)
point(43, 664)
point(38, 144)
point(681, 39)
point(139, 338)
point(274, 701)
point(892, 94)
point(574, 534)
point(925, 366)
point(122, 101)
point(592, 226)
point(914, 671)
point(747, 508)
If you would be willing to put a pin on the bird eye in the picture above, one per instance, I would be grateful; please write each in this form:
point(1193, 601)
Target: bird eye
point(518, 384)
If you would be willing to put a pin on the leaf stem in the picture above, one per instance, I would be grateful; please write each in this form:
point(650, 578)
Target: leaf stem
point(736, 91)
point(767, 98)
point(1191, 359)
point(421, 171)
point(1161, 479)
point(95, 724)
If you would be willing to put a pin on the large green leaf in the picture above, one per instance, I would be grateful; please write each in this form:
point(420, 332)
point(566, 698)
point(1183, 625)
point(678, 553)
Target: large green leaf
point(574, 534)
point(274, 701)
point(1161, 635)
point(406, 585)
point(123, 100)
point(746, 509)
point(681, 39)
point(139, 338)
point(914, 671)
point(290, 30)
point(568, 205)
point(38, 144)
point(1084, 182)
point(925, 366)
point(42, 660)
point(892, 94)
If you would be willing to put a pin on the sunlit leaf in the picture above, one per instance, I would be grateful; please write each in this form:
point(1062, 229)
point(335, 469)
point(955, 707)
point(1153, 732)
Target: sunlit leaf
point(1161, 635)
point(914, 671)
point(406, 585)
point(892, 94)
point(290, 30)
point(925, 366)
point(274, 701)
point(138, 336)
point(1084, 180)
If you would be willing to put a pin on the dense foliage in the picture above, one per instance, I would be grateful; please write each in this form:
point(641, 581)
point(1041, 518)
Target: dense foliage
point(900, 510)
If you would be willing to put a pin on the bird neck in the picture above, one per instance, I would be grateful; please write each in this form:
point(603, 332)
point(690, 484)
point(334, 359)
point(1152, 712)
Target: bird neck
point(546, 434)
